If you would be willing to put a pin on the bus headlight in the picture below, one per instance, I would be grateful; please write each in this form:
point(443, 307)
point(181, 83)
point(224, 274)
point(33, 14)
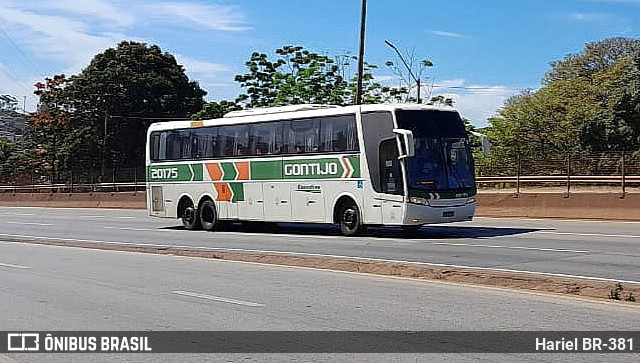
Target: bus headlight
point(471, 200)
point(418, 200)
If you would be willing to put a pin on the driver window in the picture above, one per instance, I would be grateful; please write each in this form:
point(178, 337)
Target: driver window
point(390, 176)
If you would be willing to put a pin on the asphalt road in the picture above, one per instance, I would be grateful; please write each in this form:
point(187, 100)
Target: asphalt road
point(599, 249)
point(60, 288)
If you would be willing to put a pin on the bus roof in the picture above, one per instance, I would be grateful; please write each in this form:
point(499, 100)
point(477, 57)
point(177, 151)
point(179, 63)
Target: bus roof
point(291, 112)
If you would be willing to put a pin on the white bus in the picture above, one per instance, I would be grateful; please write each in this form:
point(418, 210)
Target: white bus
point(355, 166)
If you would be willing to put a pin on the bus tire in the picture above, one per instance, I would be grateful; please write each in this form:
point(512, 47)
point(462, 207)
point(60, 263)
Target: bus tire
point(349, 219)
point(190, 218)
point(207, 214)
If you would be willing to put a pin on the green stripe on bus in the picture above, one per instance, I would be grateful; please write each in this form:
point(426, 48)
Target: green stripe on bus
point(355, 164)
point(266, 170)
point(316, 168)
point(238, 192)
point(198, 172)
point(229, 171)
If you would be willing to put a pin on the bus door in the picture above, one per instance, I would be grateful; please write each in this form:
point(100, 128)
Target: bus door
point(391, 182)
point(381, 150)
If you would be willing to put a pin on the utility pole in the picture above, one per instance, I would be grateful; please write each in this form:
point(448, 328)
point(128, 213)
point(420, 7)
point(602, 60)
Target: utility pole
point(416, 79)
point(363, 17)
point(104, 144)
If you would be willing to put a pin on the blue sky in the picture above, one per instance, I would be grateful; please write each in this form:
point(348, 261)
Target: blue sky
point(486, 50)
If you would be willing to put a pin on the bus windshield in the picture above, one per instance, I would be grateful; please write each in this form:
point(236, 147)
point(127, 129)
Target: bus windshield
point(442, 160)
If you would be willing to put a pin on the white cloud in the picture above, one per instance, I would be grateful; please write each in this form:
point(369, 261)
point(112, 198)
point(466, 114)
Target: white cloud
point(589, 17)
point(22, 89)
point(212, 17)
point(65, 34)
point(202, 68)
point(54, 37)
point(475, 102)
point(447, 34)
point(386, 79)
point(96, 9)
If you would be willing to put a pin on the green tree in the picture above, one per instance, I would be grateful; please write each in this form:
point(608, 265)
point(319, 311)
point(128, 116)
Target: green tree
point(595, 58)
point(588, 103)
point(61, 143)
point(123, 90)
point(296, 76)
point(300, 76)
point(216, 109)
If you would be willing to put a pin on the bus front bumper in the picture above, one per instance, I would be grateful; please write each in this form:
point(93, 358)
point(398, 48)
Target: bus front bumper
point(417, 214)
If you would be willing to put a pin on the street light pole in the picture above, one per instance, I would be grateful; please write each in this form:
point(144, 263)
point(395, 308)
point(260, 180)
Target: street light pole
point(363, 17)
point(416, 79)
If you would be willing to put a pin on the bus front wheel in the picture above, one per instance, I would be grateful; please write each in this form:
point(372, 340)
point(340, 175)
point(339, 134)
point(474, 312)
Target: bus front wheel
point(208, 215)
point(349, 219)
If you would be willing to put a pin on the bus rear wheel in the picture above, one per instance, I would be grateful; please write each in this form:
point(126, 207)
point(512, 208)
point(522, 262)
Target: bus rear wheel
point(349, 219)
point(208, 216)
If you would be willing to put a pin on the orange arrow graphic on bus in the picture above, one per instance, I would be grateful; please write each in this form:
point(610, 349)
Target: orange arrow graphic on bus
point(224, 192)
point(214, 170)
point(243, 170)
point(348, 169)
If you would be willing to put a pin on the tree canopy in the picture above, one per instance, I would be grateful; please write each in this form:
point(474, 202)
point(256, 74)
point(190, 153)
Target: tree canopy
point(589, 102)
point(123, 90)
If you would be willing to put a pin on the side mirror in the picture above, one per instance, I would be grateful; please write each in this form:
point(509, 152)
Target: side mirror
point(486, 145)
point(406, 139)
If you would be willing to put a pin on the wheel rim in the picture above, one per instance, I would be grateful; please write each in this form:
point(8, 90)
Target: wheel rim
point(349, 218)
point(189, 215)
point(207, 214)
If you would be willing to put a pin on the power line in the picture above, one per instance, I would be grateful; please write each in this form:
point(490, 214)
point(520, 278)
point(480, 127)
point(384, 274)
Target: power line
point(495, 88)
point(23, 54)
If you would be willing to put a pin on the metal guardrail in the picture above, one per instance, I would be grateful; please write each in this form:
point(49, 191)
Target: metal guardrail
point(621, 181)
point(516, 181)
point(73, 188)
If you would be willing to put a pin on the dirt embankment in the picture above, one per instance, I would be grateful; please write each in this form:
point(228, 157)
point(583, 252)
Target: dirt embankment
point(584, 205)
point(127, 200)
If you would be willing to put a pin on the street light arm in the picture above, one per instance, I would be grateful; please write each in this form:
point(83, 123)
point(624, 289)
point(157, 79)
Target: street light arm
point(402, 59)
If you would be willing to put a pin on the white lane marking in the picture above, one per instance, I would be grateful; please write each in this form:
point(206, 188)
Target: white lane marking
point(29, 223)
point(129, 217)
point(589, 234)
point(218, 298)
point(220, 249)
point(230, 249)
point(555, 220)
point(15, 266)
point(508, 247)
point(139, 229)
point(89, 217)
point(18, 214)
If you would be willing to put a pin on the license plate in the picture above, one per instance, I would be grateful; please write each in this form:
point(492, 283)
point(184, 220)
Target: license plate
point(448, 214)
